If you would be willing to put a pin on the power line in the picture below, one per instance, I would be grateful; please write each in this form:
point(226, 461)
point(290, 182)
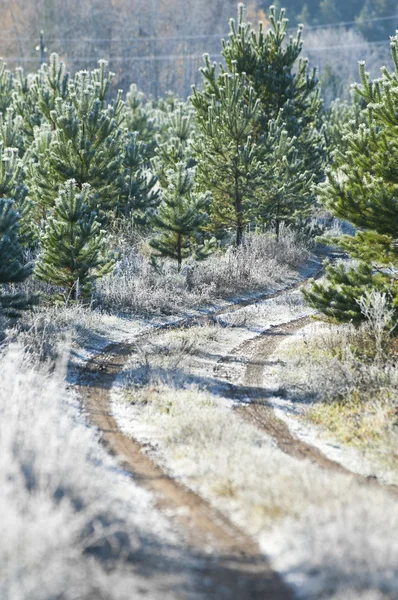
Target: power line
point(134, 38)
point(345, 23)
point(359, 45)
point(184, 57)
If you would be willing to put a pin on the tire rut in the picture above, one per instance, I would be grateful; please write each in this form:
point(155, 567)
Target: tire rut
point(233, 562)
point(256, 408)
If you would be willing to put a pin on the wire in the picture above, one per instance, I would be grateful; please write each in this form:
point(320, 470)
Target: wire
point(184, 57)
point(345, 23)
point(201, 36)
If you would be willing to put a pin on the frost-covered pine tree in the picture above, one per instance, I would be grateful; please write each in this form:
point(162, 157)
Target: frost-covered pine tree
point(7, 86)
point(139, 195)
point(285, 131)
point(281, 80)
point(13, 269)
point(180, 217)
point(12, 186)
point(362, 188)
point(73, 249)
point(82, 142)
point(141, 119)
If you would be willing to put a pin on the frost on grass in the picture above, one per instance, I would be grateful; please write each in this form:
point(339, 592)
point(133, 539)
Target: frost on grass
point(260, 263)
point(323, 531)
point(346, 384)
point(71, 525)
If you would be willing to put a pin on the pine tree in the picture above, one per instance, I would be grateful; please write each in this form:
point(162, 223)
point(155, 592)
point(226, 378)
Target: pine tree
point(175, 141)
point(180, 217)
point(12, 187)
point(12, 267)
point(6, 87)
point(11, 131)
point(282, 82)
point(229, 160)
point(73, 250)
point(141, 119)
point(139, 195)
point(287, 122)
point(362, 188)
point(84, 143)
point(286, 195)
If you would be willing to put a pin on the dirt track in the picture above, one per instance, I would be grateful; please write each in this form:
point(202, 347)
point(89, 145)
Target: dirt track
point(230, 559)
point(256, 353)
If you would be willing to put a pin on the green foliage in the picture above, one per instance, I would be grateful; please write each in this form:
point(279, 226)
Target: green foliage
point(362, 188)
point(138, 194)
point(181, 215)
point(287, 194)
point(341, 118)
point(12, 186)
point(84, 143)
point(175, 141)
point(260, 124)
point(6, 87)
point(12, 267)
point(229, 159)
point(73, 249)
point(141, 118)
point(338, 299)
point(281, 81)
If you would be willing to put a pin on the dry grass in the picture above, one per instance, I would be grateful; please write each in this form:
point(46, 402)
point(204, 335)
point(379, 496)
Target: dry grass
point(136, 287)
point(71, 526)
point(350, 392)
point(319, 524)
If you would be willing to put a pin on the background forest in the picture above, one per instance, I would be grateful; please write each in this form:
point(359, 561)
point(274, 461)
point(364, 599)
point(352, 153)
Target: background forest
point(159, 44)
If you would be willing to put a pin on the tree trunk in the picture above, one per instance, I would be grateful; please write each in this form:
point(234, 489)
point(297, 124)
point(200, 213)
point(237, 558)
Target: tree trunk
point(277, 229)
point(179, 253)
point(239, 214)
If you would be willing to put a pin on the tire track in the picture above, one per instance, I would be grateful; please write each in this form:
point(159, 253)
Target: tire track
point(256, 408)
point(233, 562)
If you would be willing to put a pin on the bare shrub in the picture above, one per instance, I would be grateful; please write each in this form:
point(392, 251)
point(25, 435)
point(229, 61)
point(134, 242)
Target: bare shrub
point(377, 309)
point(43, 331)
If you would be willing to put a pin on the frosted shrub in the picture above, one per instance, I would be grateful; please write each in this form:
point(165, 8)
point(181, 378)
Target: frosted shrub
point(376, 307)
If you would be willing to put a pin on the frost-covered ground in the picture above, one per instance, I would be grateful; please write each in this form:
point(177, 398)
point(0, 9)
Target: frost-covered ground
point(328, 536)
point(72, 525)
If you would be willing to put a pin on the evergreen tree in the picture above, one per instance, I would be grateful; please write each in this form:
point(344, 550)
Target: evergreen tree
point(285, 132)
point(139, 195)
point(181, 215)
point(12, 187)
point(229, 160)
point(286, 195)
point(11, 131)
point(6, 87)
point(73, 250)
point(141, 118)
point(84, 144)
point(362, 188)
point(281, 81)
point(340, 119)
point(175, 141)
point(12, 267)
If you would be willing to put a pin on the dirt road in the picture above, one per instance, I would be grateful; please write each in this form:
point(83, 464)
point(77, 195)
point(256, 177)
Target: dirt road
point(231, 564)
